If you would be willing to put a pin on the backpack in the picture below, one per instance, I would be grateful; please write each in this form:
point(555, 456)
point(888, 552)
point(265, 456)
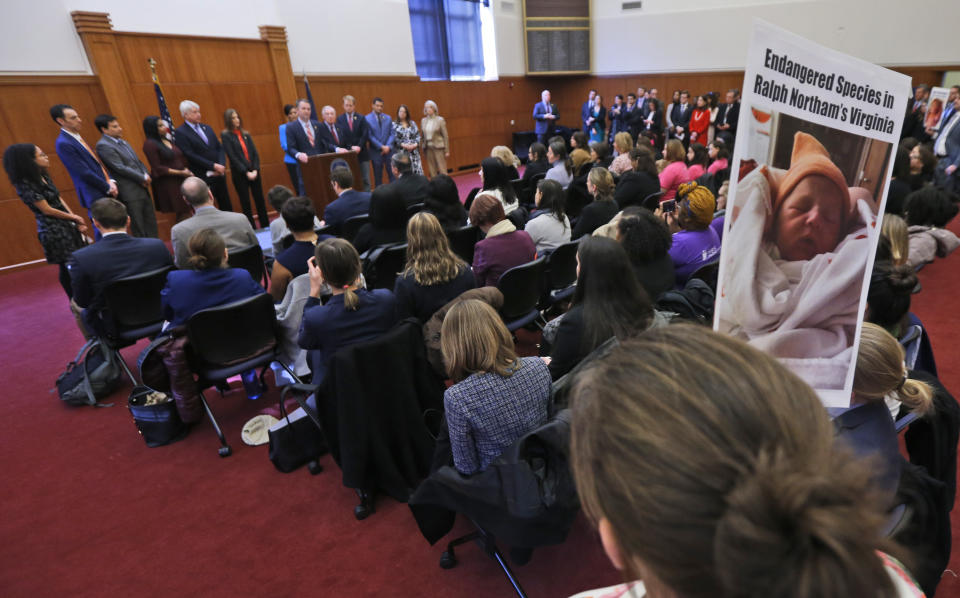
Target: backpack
point(91, 376)
point(693, 302)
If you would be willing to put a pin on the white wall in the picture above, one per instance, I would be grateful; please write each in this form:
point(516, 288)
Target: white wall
point(508, 24)
point(697, 35)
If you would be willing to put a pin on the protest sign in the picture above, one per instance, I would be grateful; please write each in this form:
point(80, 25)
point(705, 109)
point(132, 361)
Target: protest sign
point(935, 106)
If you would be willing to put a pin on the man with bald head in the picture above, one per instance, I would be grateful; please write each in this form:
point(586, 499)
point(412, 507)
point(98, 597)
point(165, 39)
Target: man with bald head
point(332, 136)
point(233, 227)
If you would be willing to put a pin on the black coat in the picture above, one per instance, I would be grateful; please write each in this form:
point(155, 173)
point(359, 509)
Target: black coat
point(200, 156)
point(239, 164)
point(357, 136)
point(413, 188)
point(633, 187)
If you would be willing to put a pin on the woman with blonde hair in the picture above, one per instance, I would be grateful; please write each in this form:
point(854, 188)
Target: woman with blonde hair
point(602, 209)
point(509, 160)
point(435, 141)
point(498, 397)
point(434, 275)
point(674, 173)
point(732, 484)
point(623, 143)
point(894, 242)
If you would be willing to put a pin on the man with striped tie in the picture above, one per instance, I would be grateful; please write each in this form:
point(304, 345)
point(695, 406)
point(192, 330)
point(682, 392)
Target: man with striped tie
point(131, 175)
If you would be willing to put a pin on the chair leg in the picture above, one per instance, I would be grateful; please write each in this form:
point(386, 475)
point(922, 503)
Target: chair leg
point(448, 560)
point(123, 364)
point(225, 450)
point(508, 572)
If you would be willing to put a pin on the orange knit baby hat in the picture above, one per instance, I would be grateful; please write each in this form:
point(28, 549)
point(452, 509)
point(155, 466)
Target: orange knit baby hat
point(811, 158)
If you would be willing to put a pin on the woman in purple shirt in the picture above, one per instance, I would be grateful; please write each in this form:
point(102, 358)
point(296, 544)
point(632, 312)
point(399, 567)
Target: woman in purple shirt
point(695, 243)
point(503, 246)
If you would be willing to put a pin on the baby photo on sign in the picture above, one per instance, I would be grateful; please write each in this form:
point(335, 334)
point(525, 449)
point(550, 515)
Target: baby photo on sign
point(800, 235)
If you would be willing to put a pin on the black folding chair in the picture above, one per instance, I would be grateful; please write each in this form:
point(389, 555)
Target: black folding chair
point(134, 308)
point(350, 226)
point(652, 201)
point(519, 186)
point(231, 339)
point(561, 274)
point(470, 197)
point(577, 197)
point(521, 287)
point(411, 210)
point(250, 258)
point(463, 240)
point(708, 273)
point(382, 264)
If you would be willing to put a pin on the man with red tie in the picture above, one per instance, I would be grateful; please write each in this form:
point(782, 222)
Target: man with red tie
point(302, 134)
point(354, 127)
point(90, 178)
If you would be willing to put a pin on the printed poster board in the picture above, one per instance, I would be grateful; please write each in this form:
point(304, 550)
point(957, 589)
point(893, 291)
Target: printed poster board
point(816, 137)
point(936, 104)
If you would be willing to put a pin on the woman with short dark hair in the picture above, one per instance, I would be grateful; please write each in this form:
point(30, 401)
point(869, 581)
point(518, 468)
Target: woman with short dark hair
point(388, 219)
point(443, 201)
point(502, 247)
point(550, 227)
point(639, 183)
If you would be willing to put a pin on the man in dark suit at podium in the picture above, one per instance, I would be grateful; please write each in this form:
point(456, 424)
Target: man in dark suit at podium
point(354, 128)
point(303, 134)
point(201, 145)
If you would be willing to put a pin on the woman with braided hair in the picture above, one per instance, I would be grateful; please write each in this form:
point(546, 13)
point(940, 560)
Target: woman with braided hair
point(695, 243)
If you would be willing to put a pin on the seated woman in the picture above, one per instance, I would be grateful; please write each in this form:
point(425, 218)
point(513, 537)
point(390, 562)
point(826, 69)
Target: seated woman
point(277, 196)
point(298, 213)
point(719, 156)
point(894, 243)
point(598, 212)
point(600, 154)
point(550, 227)
point(608, 301)
point(928, 211)
point(443, 201)
point(388, 219)
point(674, 173)
point(434, 275)
point(899, 186)
point(922, 165)
point(622, 143)
point(697, 161)
point(496, 182)
point(508, 159)
point(351, 315)
point(536, 161)
point(647, 241)
point(498, 397)
point(889, 296)
point(560, 167)
point(641, 182)
point(580, 150)
point(502, 247)
point(745, 464)
point(695, 243)
point(208, 282)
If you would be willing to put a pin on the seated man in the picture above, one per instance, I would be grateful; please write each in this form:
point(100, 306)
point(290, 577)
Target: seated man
point(233, 227)
point(411, 186)
point(349, 203)
point(292, 262)
point(117, 255)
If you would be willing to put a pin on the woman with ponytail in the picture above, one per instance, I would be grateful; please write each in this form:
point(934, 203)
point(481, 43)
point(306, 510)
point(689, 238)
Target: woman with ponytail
point(732, 485)
point(207, 283)
point(352, 314)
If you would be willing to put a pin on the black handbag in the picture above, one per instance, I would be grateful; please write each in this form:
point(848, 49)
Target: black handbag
point(159, 423)
point(299, 440)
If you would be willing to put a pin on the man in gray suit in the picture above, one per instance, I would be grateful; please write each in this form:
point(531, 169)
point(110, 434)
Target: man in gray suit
point(232, 226)
point(131, 176)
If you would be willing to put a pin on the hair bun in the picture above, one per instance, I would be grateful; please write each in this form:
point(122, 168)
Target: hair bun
point(791, 531)
point(903, 277)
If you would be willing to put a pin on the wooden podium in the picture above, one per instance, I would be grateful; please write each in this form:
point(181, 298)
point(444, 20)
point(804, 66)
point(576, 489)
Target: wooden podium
point(316, 177)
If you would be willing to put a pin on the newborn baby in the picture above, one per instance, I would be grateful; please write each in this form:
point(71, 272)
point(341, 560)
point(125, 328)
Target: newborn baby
point(795, 263)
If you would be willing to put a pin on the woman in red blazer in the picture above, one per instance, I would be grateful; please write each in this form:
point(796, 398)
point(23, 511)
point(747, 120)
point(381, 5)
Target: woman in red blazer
point(700, 121)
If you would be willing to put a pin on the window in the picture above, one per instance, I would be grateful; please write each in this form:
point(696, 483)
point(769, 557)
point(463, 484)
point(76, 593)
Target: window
point(453, 39)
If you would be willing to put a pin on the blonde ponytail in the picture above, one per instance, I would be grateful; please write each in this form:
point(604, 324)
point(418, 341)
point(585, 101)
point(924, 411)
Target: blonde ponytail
point(880, 372)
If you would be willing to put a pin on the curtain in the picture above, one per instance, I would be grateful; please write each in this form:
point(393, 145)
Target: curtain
point(447, 41)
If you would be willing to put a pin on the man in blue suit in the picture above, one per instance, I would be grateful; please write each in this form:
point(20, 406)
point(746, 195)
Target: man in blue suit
point(947, 148)
point(90, 178)
point(354, 128)
point(546, 116)
point(307, 137)
point(381, 136)
point(587, 109)
point(349, 203)
point(117, 255)
point(201, 146)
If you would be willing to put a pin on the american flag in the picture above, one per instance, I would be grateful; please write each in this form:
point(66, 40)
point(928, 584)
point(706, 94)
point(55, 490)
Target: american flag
point(161, 103)
point(313, 107)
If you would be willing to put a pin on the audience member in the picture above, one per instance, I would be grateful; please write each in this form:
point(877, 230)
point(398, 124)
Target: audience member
point(549, 228)
point(502, 247)
point(580, 154)
point(508, 159)
point(351, 315)
point(600, 154)
point(433, 275)
point(894, 243)
point(545, 114)
point(608, 301)
point(947, 149)
point(206, 281)
point(927, 212)
point(410, 185)
point(298, 213)
point(293, 169)
point(616, 117)
point(700, 121)
point(560, 168)
point(675, 173)
point(497, 397)
point(406, 137)
point(536, 162)
point(234, 228)
point(697, 161)
point(435, 141)
point(719, 156)
point(695, 243)
point(117, 255)
point(59, 230)
point(636, 185)
point(668, 112)
point(899, 186)
point(727, 115)
point(597, 123)
point(349, 202)
point(713, 106)
point(653, 121)
point(603, 207)
point(381, 136)
point(277, 196)
point(443, 201)
point(680, 117)
point(90, 178)
point(888, 298)
point(586, 110)
point(647, 241)
point(388, 218)
point(496, 181)
point(303, 135)
point(623, 144)
point(632, 114)
point(355, 136)
point(244, 167)
point(168, 167)
point(767, 508)
point(130, 175)
point(922, 166)
point(203, 151)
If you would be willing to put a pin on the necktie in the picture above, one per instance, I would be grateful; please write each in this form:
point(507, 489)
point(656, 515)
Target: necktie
point(95, 157)
point(333, 131)
point(310, 136)
point(548, 108)
point(202, 135)
point(350, 121)
point(380, 120)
